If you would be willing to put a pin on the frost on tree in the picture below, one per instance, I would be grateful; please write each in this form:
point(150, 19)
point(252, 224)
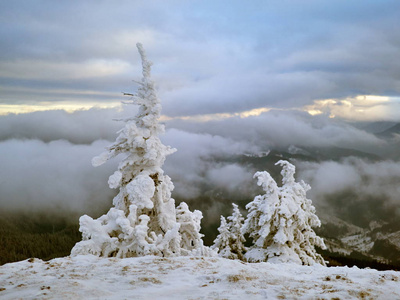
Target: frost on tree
point(237, 238)
point(222, 241)
point(229, 242)
point(143, 219)
point(191, 238)
point(280, 221)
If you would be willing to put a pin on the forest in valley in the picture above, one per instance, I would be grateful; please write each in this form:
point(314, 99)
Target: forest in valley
point(26, 236)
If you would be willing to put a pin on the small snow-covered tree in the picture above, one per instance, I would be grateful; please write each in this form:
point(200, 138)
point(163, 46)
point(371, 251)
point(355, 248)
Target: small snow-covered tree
point(229, 242)
point(191, 238)
point(280, 221)
point(143, 219)
point(237, 239)
point(260, 213)
point(222, 241)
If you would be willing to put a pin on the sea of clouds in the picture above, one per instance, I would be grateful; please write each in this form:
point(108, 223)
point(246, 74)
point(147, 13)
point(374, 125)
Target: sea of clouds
point(46, 162)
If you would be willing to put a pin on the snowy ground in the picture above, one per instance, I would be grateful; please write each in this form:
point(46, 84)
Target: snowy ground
point(88, 277)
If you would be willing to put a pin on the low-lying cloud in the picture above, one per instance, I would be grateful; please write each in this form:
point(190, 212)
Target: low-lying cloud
point(79, 127)
point(45, 158)
point(55, 177)
point(356, 188)
point(280, 129)
point(197, 163)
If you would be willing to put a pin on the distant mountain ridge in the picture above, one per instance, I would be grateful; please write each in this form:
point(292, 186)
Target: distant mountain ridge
point(390, 132)
point(375, 127)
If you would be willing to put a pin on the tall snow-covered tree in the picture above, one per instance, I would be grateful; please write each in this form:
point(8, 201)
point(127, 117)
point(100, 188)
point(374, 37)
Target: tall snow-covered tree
point(229, 242)
point(143, 219)
point(280, 221)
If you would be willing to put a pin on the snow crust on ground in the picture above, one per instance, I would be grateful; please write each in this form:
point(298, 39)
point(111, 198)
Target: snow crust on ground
point(90, 277)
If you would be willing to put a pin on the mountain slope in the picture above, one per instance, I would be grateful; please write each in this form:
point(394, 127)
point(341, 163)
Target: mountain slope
point(395, 129)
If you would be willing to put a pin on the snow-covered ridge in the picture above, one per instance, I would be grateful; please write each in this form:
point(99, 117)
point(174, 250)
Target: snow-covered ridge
point(150, 277)
point(375, 242)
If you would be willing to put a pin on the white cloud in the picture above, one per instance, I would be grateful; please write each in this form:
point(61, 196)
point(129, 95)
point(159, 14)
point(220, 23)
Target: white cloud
point(193, 167)
point(57, 174)
point(372, 187)
point(330, 177)
point(56, 177)
point(232, 177)
point(79, 127)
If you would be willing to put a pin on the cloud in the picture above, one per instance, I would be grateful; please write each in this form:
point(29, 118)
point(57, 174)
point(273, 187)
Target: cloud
point(46, 156)
point(203, 161)
point(45, 70)
point(208, 58)
point(194, 168)
point(230, 93)
point(232, 176)
point(79, 127)
point(330, 177)
point(360, 108)
point(279, 129)
point(354, 189)
point(56, 178)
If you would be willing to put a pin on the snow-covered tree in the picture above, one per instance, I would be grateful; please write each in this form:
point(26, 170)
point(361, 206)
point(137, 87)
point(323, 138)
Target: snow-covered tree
point(222, 241)
point(143, 219)
point(280, 221)
point(191, 238)
point(229, 242)
point(237, 239)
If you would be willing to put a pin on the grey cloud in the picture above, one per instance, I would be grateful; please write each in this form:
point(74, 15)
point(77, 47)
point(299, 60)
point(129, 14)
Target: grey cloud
point(40, 171)
point(272, 56)
point(236, 93)
point(80, 127)
point(233, 176)
point(354, 188)
point(56, 178)
point(45, 158)
point(280, 129)
point(61, 30)
point(194, 168)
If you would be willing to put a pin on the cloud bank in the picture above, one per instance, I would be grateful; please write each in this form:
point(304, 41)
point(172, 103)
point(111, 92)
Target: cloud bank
point(46, 157)
point(280, 129)
point(354, 188)
point(55, 178)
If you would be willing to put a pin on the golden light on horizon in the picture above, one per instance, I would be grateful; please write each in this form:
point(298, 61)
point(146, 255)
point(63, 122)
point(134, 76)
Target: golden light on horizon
point(219, 116)
point(358, 108)
point(70, 107)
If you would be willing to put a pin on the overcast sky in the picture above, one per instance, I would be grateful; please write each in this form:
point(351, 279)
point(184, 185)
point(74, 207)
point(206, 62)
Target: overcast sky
point(233, 77)
point(209, 56)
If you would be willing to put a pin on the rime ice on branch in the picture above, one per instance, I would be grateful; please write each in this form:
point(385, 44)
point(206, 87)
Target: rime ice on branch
point(280, 221)
point(222, 241)
point(143, 219)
